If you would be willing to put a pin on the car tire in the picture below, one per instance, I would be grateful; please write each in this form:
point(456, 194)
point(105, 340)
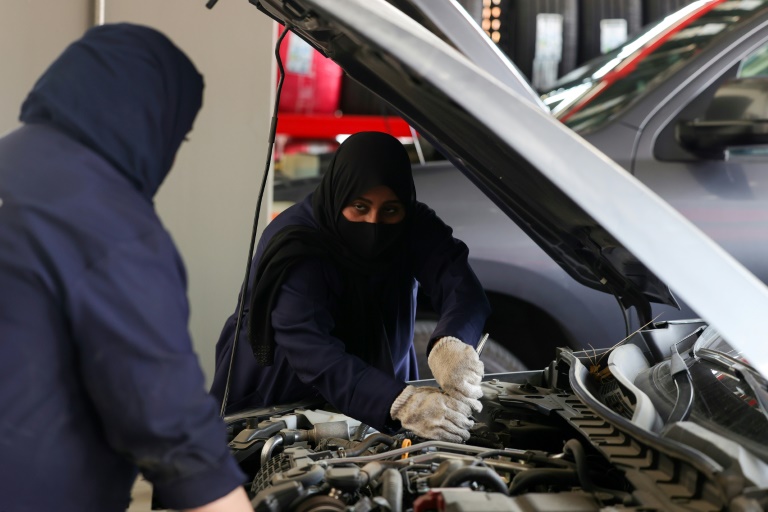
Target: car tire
point(496, 358)
point(526, 331)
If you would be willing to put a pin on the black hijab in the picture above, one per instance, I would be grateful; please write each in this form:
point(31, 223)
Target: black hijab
point(357, 249)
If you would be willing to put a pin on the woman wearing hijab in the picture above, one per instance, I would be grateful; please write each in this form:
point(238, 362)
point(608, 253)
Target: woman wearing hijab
point(98, 378)
point(330, 308)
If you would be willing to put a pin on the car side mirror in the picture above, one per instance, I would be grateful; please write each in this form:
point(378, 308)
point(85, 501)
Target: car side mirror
point(711, 138)
point(736, 116)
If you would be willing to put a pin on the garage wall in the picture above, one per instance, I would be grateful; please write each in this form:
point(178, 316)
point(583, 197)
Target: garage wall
point(32, 34)
point(207, 202)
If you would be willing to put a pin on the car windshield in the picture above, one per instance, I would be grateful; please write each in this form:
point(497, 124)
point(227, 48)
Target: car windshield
point(730, 393)
point(593, 94)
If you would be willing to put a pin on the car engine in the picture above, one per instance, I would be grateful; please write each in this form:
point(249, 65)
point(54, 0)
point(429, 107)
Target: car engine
point(578, 436)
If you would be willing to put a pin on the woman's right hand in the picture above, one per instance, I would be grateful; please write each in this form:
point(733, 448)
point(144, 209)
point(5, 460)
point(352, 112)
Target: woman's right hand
point(458, 370)
point(431, 414)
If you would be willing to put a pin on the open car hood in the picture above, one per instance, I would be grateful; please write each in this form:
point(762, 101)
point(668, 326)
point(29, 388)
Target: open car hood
point(606, 229)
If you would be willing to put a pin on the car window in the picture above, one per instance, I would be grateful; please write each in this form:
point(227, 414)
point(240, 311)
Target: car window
point(606, 93)
point(756, 65)
point(740, 93)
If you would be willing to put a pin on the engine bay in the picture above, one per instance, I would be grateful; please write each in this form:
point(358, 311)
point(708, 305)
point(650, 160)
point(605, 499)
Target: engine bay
point(579, 435)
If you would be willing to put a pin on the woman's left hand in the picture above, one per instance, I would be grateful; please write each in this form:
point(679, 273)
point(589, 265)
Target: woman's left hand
point(458, 370)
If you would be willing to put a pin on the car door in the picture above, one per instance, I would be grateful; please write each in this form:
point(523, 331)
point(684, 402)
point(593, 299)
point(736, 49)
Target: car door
point(723, 192)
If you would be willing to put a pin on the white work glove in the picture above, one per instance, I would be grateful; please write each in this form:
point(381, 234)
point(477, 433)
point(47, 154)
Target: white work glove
point(458, 370)
point(431, 414)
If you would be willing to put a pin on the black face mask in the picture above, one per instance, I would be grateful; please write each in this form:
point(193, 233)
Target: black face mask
point(366, 239)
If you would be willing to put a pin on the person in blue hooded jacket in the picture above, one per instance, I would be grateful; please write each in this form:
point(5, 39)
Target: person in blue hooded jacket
point(332, 299)
point(98, 377)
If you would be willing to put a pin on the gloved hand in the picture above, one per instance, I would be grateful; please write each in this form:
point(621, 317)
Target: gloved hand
point(432, 414)
point(458, 370)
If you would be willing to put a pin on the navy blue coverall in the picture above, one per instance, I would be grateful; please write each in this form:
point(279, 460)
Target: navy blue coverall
point(310, 362)
point(98, 377)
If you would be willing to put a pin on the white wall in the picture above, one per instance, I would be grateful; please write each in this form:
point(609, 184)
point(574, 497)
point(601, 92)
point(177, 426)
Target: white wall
point(32, 34)
point(208, 200)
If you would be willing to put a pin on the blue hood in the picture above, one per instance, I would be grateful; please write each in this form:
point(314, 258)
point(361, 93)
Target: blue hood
point(87, 93)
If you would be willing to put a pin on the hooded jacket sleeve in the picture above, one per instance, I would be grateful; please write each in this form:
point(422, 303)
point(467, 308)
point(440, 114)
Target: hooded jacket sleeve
point(442, 269)
point(130, 313)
